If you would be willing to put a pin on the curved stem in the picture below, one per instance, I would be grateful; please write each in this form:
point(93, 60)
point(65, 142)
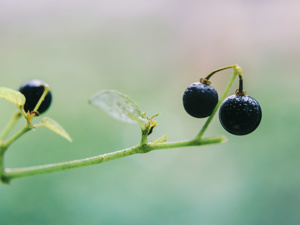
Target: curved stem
point(43, 169)
point(217, 70)
point(200, 134)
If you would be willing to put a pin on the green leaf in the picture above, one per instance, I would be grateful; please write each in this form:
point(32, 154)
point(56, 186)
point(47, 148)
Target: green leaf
point(13, 96)
point(119, 106)
point(155, 115)
point(161, 140)
point(54, 126)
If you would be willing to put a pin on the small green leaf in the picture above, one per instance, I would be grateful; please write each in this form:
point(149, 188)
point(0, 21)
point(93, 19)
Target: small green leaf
point(119, 106)
point(161, 140)
point(54, 126)
point(155, 115)
point(13, 96)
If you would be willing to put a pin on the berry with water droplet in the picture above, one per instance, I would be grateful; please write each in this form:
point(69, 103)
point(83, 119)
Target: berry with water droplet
point(200, 99)
point(240, 114)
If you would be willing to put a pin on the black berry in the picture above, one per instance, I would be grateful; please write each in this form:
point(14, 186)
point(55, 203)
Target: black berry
point(33, 90)
point(240, 115)
point(199, 99)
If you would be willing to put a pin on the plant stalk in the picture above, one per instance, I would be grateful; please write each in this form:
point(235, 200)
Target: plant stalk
point(205, 126)
point(10, 125)
point(55, 167)
point(7, 174)
point(25, 129)
point(42, 98)
point(218, 70)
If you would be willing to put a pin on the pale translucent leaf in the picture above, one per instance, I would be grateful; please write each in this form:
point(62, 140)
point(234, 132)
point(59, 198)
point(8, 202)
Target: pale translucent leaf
point(13, 96)
point(54, 126)
point(119, 106)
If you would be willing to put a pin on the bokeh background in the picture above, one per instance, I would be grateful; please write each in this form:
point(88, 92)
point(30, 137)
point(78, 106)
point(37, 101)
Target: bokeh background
point(151, 51)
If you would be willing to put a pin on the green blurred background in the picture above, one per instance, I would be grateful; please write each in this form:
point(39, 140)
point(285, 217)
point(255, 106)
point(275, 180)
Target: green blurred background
point(151, 51)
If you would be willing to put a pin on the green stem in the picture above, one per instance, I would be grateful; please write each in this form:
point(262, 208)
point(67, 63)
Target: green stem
point(46, 90)
point(200, 134)
point(10, 125)
point(188, 143)
point(7, 143)
point(43, 169)
point(35, 170)
point(144, 134)
point(236, 67)
point(1, 164)
point(218, 70)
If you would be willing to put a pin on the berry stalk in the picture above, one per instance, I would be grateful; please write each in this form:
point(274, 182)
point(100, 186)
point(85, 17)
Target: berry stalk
point(218, 70)
point(42, 98)
point(236, 72)
point(240, 91)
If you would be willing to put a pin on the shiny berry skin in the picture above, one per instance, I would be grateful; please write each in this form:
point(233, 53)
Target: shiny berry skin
point(240, 115)
point(199, 100)
point(33, 90)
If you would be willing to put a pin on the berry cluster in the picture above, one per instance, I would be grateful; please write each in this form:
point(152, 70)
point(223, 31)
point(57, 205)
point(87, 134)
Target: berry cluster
point(239, 114)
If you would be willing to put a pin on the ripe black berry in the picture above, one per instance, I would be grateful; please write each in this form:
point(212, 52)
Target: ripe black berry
point(240, 115)
point(199, 99)
point(33, 90)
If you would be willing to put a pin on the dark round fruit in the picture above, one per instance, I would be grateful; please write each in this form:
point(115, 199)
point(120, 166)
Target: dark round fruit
point(33, 90)
point(240, 115)
point(199, 100)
